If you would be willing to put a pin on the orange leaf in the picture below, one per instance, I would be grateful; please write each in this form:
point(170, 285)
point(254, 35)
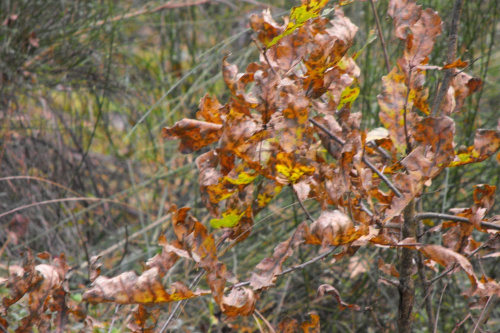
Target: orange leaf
point(194, 134)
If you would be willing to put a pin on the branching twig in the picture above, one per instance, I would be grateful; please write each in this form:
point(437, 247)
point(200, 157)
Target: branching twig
point(364, 159)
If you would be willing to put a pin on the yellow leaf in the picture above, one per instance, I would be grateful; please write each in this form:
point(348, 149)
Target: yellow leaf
point(299, 16)
point(348, 96)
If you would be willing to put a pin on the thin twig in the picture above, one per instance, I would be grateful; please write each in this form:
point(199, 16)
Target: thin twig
point(467, 67)
point(258, 324)
point(485, 314)
point(452, 54)
point(364, 159)
point(381, 37)
point(454, 266)
point(177, 306)
point(263, 50)
point(293, 268)
point(439, 308)
point(113, 319)
point(265, 321)
point(422, 216)
point(282, 300)
point(127, 239)
point(302, 205)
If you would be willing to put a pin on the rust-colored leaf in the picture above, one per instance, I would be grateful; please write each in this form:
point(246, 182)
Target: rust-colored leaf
point(288, 325)
point(194, 134)
point(457, 63)
point(484, 198)
point(311, 326)
point(486, 143)
point(210, 110)
point(405, 14)
point(425, 31)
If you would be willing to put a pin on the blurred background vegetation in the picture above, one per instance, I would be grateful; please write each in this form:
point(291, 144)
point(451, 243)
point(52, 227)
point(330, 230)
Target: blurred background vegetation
point(85, 88)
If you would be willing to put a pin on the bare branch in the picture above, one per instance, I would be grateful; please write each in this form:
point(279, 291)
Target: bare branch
point(422, 216)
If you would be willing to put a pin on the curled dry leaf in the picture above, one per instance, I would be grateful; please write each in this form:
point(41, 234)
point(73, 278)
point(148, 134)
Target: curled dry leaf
point(333, 228)
point(239, 302)
point(210, 110)
point(128, 288)
point(330, 290)
point(425, 31)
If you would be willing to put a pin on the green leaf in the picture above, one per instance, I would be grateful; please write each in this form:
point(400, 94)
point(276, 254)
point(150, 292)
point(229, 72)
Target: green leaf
point(228, 220)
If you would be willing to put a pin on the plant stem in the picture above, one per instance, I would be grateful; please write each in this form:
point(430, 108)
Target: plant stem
point(381, 37)
point(452, 54)
point(406, 270)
